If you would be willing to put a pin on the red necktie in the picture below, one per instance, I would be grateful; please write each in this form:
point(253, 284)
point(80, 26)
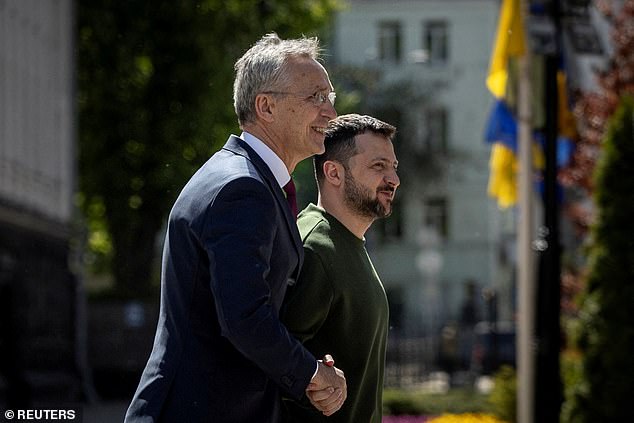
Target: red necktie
point(291, 196)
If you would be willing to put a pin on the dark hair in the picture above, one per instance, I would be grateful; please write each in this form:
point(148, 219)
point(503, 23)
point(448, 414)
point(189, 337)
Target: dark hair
point(340, 139)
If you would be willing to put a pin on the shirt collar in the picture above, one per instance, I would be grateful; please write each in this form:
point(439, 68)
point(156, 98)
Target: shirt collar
point(272, 160)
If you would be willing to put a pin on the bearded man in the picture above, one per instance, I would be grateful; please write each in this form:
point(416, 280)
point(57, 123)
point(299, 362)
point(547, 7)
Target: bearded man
point(338, 304)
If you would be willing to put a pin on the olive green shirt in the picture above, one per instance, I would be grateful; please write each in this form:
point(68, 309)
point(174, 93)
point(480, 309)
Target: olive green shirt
point(338, 306)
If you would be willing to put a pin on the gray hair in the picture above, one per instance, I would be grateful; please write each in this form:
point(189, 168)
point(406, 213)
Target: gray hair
point(263, 68)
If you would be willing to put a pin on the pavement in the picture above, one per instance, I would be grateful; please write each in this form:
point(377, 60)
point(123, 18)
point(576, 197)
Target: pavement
point(104, 412)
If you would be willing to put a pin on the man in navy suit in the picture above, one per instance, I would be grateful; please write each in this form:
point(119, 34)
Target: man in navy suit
point(232, 247)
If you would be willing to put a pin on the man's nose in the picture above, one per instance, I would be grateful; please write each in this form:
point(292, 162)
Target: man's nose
point(392, 179)
point(328, 110)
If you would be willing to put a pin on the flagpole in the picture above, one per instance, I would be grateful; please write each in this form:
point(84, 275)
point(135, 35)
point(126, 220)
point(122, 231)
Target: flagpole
point(526, 260)
point(548, 330)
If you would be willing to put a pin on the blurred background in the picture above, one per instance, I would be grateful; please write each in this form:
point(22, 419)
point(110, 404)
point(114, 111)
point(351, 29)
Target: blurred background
point(108, 107)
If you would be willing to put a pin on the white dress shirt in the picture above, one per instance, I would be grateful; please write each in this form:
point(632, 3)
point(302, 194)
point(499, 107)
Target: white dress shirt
point(271, 159)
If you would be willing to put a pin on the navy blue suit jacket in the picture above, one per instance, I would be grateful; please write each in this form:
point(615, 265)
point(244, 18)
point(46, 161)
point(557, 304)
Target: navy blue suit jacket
point(220, 353)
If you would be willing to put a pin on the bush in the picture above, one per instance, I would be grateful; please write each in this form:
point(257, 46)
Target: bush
point(607, 338)
point(503, 397)
point(401, 402)
point(572, 377)
point(397, 402)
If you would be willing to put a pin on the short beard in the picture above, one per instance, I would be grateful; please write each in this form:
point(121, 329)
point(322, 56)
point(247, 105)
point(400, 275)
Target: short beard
point(359, 199)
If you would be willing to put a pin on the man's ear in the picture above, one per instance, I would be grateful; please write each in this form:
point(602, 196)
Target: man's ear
point(334, 172)
point(264, 107)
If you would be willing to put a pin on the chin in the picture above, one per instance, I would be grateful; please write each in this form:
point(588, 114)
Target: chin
point(320, 149)
point(387, 210)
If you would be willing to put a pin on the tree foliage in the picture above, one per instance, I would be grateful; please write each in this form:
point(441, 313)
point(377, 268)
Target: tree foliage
point(587, 277)
point(593, 110)
point(607, 334)
point(155, 101)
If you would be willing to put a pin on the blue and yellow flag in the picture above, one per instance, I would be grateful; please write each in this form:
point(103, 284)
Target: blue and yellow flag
point(501, 131)
point(503, 177)
point(509, 42)
point(502, 127)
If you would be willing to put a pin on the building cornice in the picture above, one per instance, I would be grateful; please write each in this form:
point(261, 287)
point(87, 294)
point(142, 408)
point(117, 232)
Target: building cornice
point(33, 222)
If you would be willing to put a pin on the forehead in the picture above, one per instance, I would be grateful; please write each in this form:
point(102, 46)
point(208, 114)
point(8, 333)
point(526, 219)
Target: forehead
point(371, 146)
point(308, 74)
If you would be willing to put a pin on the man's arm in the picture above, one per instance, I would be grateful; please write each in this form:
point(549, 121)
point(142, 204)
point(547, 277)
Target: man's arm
point(306, 308)
point(238, 236)
point(308, 302)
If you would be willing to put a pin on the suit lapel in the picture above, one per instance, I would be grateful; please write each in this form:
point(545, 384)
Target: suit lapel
point(238, 146)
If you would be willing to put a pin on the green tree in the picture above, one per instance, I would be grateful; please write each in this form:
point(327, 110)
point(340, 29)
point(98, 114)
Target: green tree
point(607, 335)
point(593, 110)
point(155, 101)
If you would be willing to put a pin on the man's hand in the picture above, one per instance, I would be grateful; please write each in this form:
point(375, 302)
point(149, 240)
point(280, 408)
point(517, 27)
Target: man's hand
point(327, 390)
point(329, 361)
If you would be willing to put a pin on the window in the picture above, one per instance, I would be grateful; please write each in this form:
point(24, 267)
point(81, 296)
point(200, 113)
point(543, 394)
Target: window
point(389, 41)
point(436, 41)
point(584, 37)
point(432, 131)
point(436, 215)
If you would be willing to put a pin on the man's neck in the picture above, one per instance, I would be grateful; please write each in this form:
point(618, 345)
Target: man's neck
point(267, 137)
point(356, 224)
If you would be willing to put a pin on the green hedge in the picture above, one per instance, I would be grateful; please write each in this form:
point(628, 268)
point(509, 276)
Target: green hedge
point(503, 398)
point(604, 389)
point(406, 402)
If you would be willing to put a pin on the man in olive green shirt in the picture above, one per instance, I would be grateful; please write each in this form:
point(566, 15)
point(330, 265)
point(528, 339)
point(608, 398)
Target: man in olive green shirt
point(338, 304)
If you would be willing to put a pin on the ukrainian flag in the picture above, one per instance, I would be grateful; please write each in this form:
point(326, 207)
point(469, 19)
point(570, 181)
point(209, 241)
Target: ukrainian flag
point(501, 131)
point(509, 42)
point(502, 127)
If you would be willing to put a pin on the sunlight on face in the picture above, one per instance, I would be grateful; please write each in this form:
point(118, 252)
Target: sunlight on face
point(370, 178)
point(303, 120)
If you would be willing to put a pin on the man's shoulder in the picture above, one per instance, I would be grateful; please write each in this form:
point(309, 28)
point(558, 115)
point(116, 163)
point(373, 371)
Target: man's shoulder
point(224, 172)
point(226, 162)
point(220, 169)
point(315, 230)
point(312, 220)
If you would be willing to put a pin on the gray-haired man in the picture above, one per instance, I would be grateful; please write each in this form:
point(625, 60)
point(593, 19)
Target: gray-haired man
point(231, 249)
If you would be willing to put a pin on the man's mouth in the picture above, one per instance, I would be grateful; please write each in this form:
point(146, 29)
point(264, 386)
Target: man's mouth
point(319, 129)
point(387, 191)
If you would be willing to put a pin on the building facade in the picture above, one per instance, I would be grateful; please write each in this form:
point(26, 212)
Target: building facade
point(38, 333)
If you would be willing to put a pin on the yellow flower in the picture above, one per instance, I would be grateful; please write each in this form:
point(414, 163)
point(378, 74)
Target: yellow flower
point(466, 418)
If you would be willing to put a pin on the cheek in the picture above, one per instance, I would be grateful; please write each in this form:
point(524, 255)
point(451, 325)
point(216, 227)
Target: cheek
point(373, 186)
point(313, 116)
